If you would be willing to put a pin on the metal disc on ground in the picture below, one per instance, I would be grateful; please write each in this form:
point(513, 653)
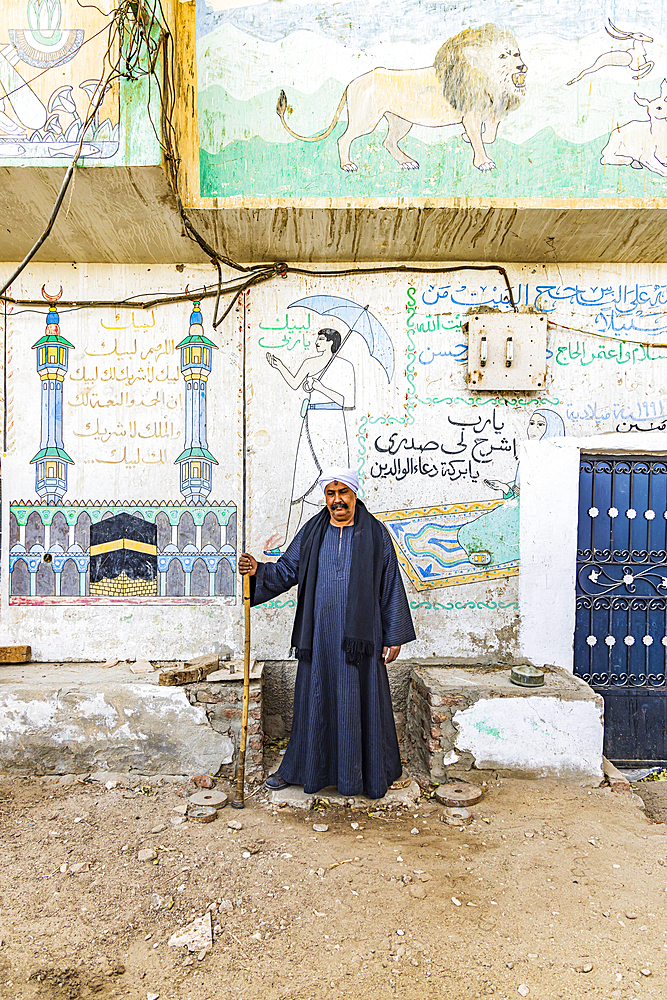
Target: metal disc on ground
point(209, 798)
point(460, 794)
point(455, 816)
point(202, 814)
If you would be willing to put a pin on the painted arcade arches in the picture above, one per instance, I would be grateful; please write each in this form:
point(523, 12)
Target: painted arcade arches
point(50, 551)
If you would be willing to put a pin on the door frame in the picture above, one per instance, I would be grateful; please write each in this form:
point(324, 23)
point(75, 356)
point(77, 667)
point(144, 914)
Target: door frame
point(549, 513)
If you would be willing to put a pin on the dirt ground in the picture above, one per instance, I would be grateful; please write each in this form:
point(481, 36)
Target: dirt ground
point(555, 890)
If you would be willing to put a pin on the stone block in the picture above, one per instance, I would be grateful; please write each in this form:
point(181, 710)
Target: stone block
point(222, 695)
point(274, 725)
point(465, 762)
point(229, 697)
point(77, 722)
point(220, 727)
point(483, 721)
point(233, 671)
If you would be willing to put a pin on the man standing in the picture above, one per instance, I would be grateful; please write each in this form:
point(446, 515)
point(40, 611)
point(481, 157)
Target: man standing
point(352, 618)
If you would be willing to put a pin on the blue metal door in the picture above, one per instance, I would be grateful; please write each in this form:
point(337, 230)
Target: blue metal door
point(620, 643)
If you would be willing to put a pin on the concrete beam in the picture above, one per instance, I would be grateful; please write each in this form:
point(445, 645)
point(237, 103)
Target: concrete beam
point(443, 230)
point(78, 718)
point(129, 215)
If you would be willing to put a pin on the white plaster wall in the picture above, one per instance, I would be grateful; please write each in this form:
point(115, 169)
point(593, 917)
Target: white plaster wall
point(541, 736)
point(595, 385)
point(139, 727)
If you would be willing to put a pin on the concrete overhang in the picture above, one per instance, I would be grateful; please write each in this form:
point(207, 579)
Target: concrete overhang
point(130, 214)
point(444, 230)
point(109, 215)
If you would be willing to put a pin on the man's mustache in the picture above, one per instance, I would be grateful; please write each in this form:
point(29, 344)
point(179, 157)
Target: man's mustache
point(335, 506)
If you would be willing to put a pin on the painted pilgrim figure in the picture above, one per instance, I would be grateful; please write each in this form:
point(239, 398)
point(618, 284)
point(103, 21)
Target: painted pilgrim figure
point(329, 381)
point(352, 618)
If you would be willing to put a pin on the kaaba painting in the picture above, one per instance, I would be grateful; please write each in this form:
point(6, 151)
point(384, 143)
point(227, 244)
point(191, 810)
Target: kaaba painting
point(123, 557)
point(90, 542)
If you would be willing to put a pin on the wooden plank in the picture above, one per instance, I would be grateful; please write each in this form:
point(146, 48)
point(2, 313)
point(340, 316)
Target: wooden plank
point(196, 669)
point(15, 654)
point(232, 670)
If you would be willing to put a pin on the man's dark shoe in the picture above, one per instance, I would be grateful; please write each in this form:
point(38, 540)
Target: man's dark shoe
point(275, 783)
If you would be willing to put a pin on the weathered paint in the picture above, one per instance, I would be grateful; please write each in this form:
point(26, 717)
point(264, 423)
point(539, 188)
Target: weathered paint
point(537, 736)
point(445, 467)
point(79, 719)
point(558, 86)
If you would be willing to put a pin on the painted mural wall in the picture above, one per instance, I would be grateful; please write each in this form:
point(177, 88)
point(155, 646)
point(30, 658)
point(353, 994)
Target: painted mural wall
point(120, 468)
point(384, 388)
point(122, 443)
point(54, 60)
point(409, 98)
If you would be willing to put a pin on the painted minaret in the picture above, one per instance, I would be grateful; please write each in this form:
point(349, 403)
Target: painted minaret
point(51, 460)
point(196, 461)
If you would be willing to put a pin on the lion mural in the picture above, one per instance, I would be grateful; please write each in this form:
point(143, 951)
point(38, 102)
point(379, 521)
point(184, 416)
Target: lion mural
point(477, 78)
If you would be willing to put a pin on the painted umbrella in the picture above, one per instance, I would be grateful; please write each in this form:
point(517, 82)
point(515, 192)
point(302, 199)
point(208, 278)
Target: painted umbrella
point(359, 320)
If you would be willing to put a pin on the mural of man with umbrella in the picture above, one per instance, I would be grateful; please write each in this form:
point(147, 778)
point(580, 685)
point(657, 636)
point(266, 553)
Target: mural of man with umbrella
point(329, 382)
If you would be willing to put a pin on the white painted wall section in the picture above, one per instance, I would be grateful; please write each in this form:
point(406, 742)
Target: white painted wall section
point(541, 736)
point(548, 545)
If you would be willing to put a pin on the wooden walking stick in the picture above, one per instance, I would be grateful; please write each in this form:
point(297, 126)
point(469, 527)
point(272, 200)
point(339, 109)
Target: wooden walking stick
point(239, 801)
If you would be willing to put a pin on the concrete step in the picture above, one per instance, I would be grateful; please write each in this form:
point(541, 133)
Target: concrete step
point(74, 718)
point(396, 798)
point(463, 719)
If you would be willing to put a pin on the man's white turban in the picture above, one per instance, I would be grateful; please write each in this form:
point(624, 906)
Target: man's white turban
point(347, 476)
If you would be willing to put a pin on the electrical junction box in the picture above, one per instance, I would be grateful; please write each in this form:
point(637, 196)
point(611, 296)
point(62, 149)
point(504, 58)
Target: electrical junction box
point(507, 351)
